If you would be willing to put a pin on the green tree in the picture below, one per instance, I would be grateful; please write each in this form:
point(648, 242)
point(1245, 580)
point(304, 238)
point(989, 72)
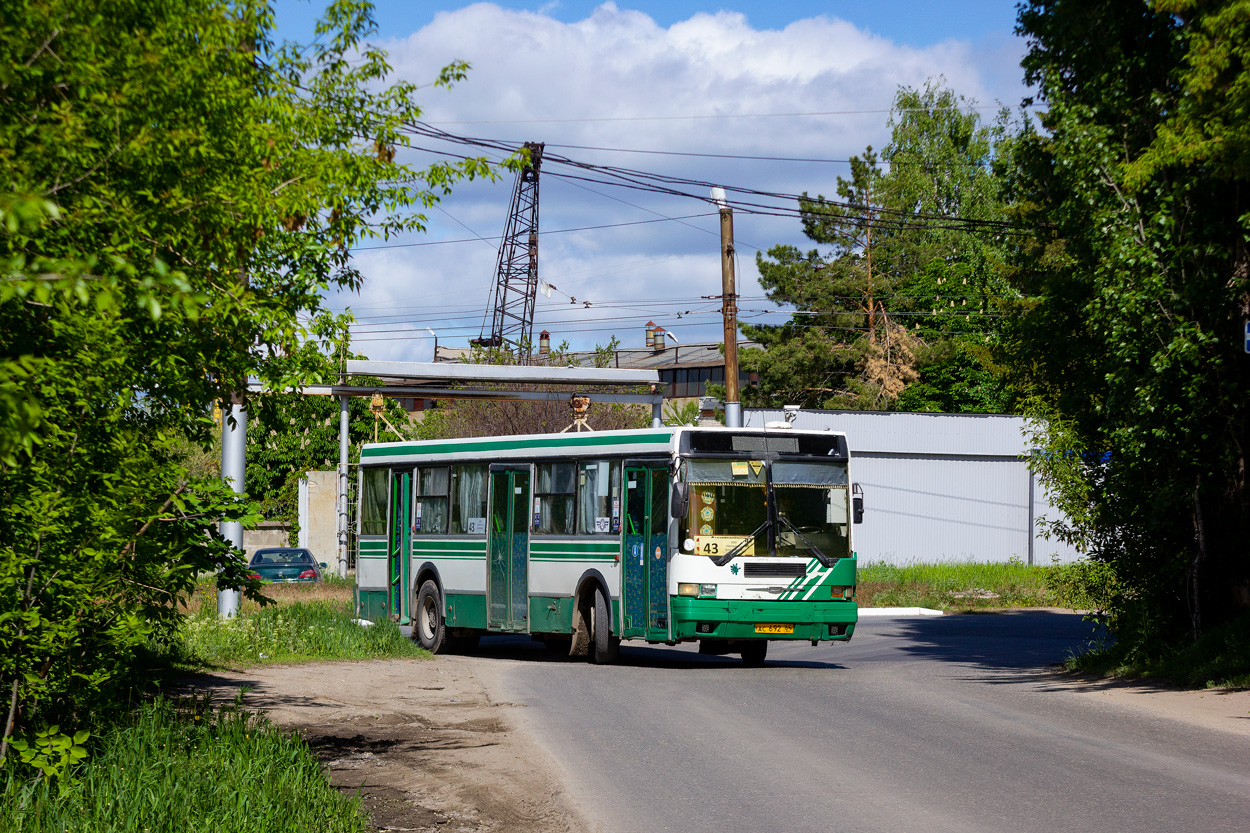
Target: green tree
point(1137, 289)
point(177, 192)
point(901, 310)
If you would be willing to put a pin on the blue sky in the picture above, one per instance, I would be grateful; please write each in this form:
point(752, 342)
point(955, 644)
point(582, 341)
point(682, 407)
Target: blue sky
point(741, 88)
point(912, 22)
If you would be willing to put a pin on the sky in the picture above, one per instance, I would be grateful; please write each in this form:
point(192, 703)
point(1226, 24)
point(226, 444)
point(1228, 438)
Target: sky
point(771, 96)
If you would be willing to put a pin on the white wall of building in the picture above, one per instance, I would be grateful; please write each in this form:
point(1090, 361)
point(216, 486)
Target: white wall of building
point(941, 487)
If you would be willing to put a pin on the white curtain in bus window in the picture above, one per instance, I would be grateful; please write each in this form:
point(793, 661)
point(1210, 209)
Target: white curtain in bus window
point(553, 498)
point(373, 502)
point(599, 498)
point(430, 509)
point(468, 506)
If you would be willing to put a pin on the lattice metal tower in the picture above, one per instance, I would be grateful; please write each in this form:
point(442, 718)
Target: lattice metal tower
point(516, 272)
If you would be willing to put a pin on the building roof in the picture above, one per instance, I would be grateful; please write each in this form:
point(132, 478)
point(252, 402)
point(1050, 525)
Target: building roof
point(704, 354)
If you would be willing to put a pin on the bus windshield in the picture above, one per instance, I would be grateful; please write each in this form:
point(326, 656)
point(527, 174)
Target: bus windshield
point(728, 507)
point(729, 512)
point(812, 509)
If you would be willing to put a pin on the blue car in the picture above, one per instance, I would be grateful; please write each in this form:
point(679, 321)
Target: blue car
point(285, 564)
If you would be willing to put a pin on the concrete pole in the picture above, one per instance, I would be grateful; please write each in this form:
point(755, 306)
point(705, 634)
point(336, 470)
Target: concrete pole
point(657, 415)
point(233, 469)
point(342, 525)
point(733, 404)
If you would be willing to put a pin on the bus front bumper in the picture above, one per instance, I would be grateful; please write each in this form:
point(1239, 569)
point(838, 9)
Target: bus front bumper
point(751, 619)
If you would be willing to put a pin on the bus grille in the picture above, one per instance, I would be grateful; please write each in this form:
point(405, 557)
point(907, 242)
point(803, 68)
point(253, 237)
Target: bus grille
point(752, 568)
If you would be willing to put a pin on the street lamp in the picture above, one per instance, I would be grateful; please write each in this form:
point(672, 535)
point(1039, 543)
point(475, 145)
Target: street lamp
point(431, 332)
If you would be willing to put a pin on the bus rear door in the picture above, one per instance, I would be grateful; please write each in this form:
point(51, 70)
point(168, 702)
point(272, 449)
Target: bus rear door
point(399, 545)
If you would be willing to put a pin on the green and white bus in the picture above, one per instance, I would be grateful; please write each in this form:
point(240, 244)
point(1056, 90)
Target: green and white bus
point(732, 537)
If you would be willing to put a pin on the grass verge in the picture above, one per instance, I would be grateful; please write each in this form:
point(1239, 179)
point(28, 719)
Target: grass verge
point(954, 586)
point(295, 632)
point(184, 766)
point(1218, 658)
point(309, 621)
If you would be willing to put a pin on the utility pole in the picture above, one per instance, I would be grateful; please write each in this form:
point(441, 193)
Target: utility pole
point(729, 309)
point(344, 445)
point(233, 467)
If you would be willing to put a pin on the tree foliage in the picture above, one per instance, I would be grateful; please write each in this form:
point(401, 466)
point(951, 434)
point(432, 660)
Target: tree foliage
point(1137, 290)
point(901, 309)
point(177, 192)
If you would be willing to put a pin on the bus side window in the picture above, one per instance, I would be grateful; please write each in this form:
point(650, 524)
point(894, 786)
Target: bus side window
point(599, 498)
point(468, 500)
point(373, 502)
point(553, 497)
point(429, 514)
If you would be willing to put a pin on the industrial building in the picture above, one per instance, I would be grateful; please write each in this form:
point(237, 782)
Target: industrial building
point(941, 487)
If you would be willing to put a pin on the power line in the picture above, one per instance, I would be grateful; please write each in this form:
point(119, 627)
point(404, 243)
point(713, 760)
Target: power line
point(548, 231)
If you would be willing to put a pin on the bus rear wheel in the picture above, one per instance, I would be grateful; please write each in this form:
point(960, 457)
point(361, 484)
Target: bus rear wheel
point(753, 653)
point(606, 647)
point(428, 626)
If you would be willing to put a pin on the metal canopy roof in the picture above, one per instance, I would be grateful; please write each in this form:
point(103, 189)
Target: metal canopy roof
point(448, 372)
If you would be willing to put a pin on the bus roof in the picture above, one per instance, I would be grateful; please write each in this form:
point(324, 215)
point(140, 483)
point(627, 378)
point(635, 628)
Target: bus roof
point(632, 442)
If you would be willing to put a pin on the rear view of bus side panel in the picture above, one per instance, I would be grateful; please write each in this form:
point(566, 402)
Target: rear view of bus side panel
point(556, 566)
point(371, 584)
point(461, 566)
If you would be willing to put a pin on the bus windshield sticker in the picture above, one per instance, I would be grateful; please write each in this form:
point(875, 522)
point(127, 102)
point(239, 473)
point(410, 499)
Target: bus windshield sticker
point(477, 526)
point(602, 524)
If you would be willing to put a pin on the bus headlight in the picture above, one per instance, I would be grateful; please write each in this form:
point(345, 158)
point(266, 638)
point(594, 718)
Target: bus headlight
point(685, 589)
point(707, 590)
point(842, 591)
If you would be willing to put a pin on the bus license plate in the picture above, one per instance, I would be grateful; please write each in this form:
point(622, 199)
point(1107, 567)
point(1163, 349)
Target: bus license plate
point(774, 628)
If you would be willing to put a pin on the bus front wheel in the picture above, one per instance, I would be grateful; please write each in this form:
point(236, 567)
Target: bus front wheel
point(753, 653)
point(428, 625)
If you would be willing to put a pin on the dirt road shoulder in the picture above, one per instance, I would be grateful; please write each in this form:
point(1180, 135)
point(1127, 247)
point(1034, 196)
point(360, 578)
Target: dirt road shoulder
point(422, 741)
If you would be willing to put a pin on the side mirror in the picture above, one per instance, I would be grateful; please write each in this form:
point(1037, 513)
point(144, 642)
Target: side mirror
point(324, 565)
point(679, 501)
point(857, 504)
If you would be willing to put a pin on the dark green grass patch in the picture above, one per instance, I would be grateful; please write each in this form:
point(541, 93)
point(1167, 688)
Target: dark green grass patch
point(1220, 657)
point(183, 766)
point(298, 632)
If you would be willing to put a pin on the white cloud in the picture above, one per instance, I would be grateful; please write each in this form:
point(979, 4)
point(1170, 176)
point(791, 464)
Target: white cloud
point(617, 79)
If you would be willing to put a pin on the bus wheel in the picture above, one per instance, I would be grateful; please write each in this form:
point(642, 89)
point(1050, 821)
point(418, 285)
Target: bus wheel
point(754, 652)
point(428, 625)
point(606, 646)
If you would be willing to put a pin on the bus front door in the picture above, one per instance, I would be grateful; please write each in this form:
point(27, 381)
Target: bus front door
point(399, 545)
point(507, 588)
point(645, 554)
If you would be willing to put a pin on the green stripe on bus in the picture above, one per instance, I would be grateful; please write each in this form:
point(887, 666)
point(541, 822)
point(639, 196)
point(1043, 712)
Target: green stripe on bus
point(434, 545)
point(658, 438)
point(567, 547)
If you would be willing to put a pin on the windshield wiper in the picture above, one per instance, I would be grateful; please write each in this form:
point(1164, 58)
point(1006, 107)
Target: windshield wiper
point(721, 561)
point(820, 556)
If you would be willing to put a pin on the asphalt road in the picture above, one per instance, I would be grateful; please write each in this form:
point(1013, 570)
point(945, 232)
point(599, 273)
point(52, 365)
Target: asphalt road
point(918, 724)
